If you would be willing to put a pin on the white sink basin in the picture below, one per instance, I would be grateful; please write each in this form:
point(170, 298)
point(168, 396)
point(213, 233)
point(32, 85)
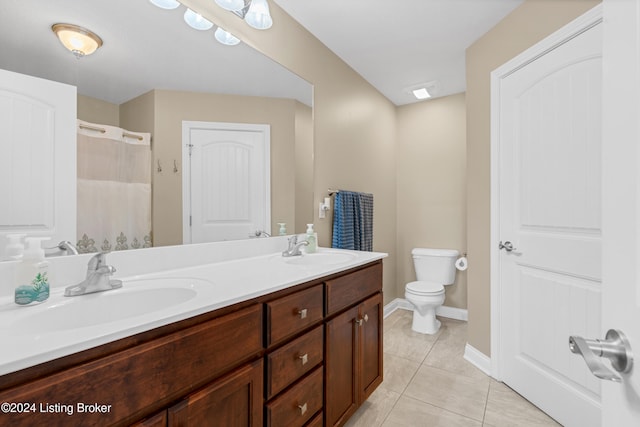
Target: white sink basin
point(321, 258)
point(137, 297)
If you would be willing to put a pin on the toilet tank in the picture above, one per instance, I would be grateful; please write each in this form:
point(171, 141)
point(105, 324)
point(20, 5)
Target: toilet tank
point(435, 265)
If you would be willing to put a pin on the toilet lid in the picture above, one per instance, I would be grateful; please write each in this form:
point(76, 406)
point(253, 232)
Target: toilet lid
point(422, 287)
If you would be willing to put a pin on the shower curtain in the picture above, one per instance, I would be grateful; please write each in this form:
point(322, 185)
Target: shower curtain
point(114, 188)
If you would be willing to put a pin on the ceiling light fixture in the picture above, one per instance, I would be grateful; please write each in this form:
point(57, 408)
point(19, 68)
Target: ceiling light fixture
point(166, 4)
point(80, 41)
point(421, 93)
point(196, 21)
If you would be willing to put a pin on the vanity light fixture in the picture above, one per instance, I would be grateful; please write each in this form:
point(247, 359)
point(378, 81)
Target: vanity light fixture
point(231, 5)
point(226, 37)
point(166, 4)
point(196, 21)
point(258, 15)
point(254, 12)
point(80, 41)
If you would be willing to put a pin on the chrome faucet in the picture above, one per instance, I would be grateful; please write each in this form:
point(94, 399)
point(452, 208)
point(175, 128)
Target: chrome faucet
point(66, 247)
point(97, 280)
point(294, 247)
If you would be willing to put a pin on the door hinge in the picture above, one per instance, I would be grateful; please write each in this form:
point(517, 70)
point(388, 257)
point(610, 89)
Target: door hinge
point(190, 148)
point(190, 220)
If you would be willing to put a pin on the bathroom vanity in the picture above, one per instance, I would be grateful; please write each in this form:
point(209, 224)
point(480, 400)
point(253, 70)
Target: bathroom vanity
point(307, 354)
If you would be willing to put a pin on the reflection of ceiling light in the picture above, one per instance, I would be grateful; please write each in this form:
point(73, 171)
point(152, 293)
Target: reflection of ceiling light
point(226, 37)
point(166, 4)
point(258, 15)
point(422, 93)
point(196, 21)
point(231, 5)
point(78, 40)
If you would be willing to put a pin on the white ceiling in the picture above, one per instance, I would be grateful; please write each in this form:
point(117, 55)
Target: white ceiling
point(144, 48)
point(394, 45)
point(398, 44)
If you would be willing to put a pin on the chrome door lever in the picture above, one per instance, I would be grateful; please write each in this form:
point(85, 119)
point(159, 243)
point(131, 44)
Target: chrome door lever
point(615, 347)
point(507, 246)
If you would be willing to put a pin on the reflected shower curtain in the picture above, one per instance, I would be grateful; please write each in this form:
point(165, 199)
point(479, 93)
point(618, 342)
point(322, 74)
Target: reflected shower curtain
point(114, 188)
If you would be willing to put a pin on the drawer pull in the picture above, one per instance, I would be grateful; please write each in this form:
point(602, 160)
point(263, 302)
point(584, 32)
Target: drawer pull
point(304, 358)
point(365, 319)
point(302, 313)
point(303, 408)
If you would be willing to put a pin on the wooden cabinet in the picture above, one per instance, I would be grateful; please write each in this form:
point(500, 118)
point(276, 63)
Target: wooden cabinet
point(353, 360)
point(232, 401)
point(304, 356)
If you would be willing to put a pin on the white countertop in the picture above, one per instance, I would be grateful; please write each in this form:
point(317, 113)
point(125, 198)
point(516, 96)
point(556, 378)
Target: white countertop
point(30, 336)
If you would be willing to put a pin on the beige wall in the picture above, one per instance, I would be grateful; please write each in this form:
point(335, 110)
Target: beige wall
point(172, 107)
point(354, 125)
point(96, 111)
point(528, 24)
point(304, 168)
point(432, 185)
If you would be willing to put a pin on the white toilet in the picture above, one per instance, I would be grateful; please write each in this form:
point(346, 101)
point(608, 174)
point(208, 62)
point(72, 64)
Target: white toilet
point(435, 268)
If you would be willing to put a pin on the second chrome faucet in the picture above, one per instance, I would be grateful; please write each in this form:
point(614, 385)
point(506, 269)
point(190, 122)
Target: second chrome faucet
point(294, 247)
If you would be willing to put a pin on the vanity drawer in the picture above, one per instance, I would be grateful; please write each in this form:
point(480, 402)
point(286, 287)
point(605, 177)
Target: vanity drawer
point(292, 313)
point(353, 287)
point(299, 404)
point(287, 364)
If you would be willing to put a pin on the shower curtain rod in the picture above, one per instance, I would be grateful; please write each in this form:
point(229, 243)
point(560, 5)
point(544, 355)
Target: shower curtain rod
point(101, 130)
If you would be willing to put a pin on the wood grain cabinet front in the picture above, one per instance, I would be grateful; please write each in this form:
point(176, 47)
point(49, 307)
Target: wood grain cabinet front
point(353, 361)
point(293, 313)
point(297, 405)
point(351, 288)
point(130, 384)
point(292, 361)
point(232, 401)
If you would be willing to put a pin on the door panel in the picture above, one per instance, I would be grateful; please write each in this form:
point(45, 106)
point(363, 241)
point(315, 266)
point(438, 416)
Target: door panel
point(550, 209)
point(227, 192)
point(37, 157)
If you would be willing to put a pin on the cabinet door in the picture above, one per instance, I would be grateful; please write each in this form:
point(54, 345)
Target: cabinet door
point(370, 342)
point(341, 396)
point(232, 401)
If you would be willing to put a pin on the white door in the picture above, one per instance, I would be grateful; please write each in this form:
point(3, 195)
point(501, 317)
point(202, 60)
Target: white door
point(226, 189)
point(621, 192)
point(37, 157)
point(549, 268)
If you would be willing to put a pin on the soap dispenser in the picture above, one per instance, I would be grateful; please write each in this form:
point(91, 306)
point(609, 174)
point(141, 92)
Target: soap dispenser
point(15, 248)
point(312, 238)
point(32, 274)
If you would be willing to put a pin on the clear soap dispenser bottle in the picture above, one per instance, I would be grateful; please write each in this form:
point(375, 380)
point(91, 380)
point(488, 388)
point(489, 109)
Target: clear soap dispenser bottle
point(32, 274)
point(312, 238)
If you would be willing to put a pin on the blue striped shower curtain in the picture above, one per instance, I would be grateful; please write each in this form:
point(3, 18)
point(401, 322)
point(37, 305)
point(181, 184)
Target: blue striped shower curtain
point(353, 221)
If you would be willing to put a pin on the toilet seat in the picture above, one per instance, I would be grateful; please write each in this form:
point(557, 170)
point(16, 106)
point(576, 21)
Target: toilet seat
point(422, 287)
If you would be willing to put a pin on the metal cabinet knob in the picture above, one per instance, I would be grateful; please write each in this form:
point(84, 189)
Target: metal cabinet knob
point(615, 347)
point(302, 313)
point(304, 358)
point(303, 408)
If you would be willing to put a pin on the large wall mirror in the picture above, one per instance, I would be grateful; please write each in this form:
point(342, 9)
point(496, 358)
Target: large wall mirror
point(153, 73)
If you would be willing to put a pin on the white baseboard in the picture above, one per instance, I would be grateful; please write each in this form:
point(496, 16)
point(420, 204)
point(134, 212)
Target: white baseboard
point(477, 359)
point(443, 311)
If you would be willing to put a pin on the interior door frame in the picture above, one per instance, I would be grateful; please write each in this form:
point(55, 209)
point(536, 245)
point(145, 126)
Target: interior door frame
point(187, 126)
point(563, 35)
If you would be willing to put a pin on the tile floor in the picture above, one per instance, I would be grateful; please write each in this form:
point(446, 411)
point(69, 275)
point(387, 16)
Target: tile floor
point(427, 382)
